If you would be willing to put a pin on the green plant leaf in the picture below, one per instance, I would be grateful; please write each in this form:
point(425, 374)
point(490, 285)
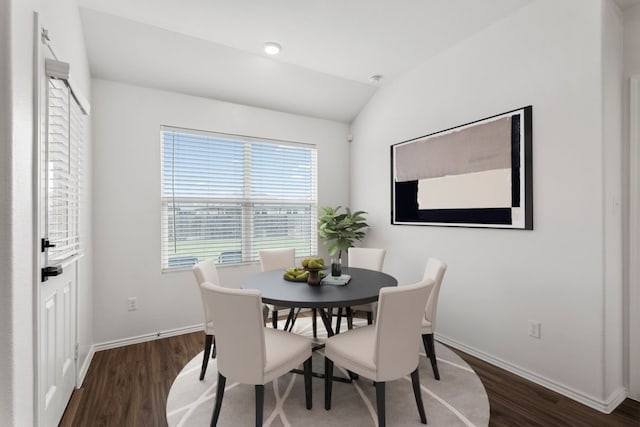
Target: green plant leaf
point(333, 249)
point(340, 230)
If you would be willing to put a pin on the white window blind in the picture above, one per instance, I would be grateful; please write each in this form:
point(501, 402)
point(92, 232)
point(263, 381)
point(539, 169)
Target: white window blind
point(227, 197)
point(66, 123)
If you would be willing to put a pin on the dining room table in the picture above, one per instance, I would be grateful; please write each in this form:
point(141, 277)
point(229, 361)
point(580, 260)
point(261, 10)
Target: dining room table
point(363, 287)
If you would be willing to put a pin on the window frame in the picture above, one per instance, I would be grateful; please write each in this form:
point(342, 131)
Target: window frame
point(246, 202)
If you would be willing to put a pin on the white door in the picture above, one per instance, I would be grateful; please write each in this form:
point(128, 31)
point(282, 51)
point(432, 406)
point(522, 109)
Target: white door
point(57, 345)
point(58, 156)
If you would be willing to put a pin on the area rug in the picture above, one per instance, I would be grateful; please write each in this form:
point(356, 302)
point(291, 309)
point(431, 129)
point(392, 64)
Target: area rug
point(458, 399)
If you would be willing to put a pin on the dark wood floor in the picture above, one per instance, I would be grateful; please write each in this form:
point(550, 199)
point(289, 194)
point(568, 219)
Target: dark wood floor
point(128, 386)
point(515, 401)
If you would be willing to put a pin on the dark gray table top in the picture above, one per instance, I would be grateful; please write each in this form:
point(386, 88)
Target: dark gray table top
point(363, 288)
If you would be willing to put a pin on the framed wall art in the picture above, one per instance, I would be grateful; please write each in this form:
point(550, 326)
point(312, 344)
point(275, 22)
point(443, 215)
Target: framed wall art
point(475, 175)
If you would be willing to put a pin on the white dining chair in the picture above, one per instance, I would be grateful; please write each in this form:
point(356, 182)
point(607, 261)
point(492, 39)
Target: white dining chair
point(206, 271)
point(248, 352)
point(386, 350)
point(434, 270)
point(275, 259)
point(371, 259)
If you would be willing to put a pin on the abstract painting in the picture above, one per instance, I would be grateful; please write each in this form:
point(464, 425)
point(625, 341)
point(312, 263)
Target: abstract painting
point(474, 175)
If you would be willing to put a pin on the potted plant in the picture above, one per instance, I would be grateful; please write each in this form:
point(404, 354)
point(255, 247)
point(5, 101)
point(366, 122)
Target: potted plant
point(340, 230)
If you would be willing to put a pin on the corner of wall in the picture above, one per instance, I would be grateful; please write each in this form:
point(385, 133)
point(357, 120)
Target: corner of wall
point(611, 51)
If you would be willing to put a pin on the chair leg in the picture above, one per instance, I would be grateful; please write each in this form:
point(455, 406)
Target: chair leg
point(349, 318)
point(314, 321)
point(369, 318)
point(307, 383)
point(208, 340)
point(265, 314)
point(259, 404)
point(328, 382)
point(415, 380)
point(213, 348)
point(430, 349)
point(274, 319)
point(219, 395)
point(380, 398)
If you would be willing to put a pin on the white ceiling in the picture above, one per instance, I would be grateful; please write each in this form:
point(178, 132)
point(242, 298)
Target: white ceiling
point(213, 48)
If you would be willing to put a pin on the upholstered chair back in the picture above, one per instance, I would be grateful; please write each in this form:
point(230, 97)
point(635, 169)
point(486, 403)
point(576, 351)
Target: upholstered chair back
point(206, 271)
point(399, 317)
point(434, 270)
point(369, 258)
point(274, 259)
point(237, 314)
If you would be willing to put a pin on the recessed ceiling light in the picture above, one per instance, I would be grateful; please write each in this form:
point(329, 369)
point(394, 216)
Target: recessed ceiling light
point(376, 78)
point(272, 48)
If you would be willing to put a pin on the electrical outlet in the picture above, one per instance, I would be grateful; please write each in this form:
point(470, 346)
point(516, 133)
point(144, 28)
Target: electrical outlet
point(534, 329)
point(132, 303)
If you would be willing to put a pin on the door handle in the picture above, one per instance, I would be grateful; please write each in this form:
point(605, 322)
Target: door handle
point(45, 243)
point(52, 270)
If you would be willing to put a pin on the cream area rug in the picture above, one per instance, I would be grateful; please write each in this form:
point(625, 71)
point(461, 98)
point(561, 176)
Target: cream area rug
point(458, 399)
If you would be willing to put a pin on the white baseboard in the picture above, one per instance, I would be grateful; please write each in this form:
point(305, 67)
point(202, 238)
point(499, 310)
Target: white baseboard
point(606, 406)
point(85, 366)
point(146, 337)
point(107, 345)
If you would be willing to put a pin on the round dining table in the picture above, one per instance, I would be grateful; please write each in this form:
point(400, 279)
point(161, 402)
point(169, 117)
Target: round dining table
point(363, 288)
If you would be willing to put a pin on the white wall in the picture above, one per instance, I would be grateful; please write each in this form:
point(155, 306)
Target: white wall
point(16, 226)
point(547, 54)
point(126, 173)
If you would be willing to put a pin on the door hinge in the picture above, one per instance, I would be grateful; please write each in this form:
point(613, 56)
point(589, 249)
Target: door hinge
point(77, 350)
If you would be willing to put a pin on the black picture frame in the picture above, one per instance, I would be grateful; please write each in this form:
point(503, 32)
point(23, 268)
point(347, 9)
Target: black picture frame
point(478, 174)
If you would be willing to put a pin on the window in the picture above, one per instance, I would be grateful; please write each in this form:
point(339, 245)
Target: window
point(226, 197)
point(64, 172)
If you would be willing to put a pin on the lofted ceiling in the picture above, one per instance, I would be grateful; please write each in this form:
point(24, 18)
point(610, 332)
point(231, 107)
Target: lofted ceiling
point(213, 48)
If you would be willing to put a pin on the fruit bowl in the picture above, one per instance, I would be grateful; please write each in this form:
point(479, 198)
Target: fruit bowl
point(310, 272)
point(301, 278)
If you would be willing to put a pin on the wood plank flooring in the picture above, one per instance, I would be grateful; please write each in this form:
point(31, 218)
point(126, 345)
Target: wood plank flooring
point(128, 386)
point(515, 401)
